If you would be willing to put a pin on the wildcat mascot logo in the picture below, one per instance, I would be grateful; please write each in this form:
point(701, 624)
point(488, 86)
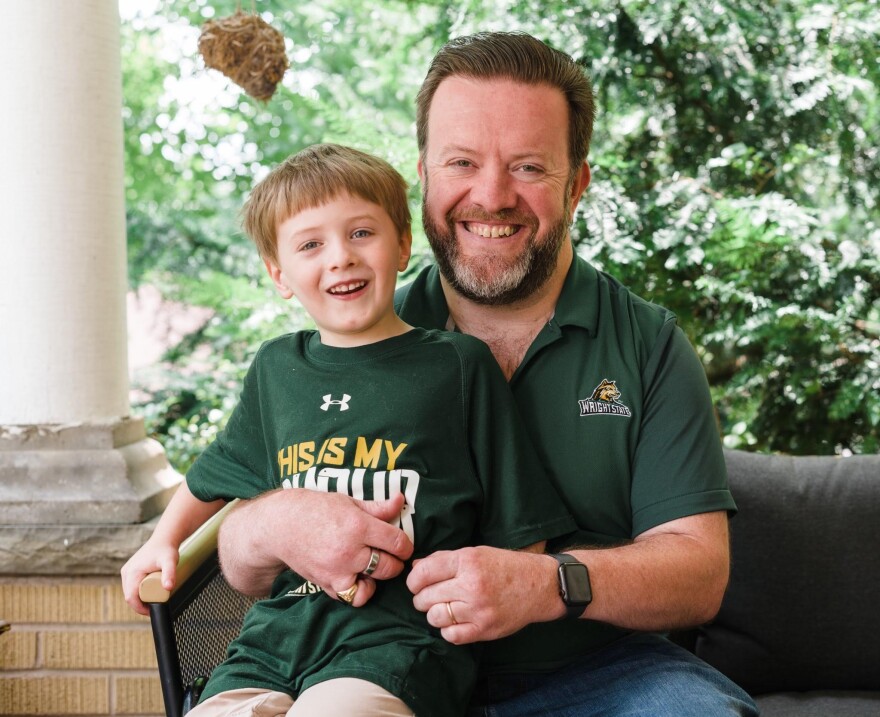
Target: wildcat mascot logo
point(605, 401)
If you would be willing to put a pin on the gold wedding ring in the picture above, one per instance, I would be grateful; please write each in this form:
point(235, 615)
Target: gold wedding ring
point(373, 564)
point(451, 614)
point(347, 596)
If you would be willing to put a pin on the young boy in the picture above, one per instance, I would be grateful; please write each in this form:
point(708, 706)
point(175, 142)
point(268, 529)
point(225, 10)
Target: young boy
point(370, 407)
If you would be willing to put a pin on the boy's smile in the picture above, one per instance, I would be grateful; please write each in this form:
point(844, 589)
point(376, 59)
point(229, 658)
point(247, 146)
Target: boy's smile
point(341, 259)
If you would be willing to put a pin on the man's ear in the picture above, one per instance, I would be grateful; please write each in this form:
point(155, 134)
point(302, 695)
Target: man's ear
point(579, 186)
point(421, 170)
point(405, 249)
point(278, 279)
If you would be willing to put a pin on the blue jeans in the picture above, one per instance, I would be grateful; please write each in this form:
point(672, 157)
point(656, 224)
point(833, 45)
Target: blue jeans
point(637, 676)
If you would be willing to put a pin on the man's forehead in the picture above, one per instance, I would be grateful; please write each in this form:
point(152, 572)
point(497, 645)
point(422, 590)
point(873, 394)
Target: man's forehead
point(457, 94)
point(466, 112)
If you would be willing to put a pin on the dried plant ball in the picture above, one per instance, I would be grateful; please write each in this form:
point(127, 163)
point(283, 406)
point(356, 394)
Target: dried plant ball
point(248, 50)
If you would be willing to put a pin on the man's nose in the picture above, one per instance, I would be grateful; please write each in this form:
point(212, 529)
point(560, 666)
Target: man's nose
point(494, 189)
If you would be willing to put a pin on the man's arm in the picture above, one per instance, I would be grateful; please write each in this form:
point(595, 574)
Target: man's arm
point(671, 576)
point(327, 538)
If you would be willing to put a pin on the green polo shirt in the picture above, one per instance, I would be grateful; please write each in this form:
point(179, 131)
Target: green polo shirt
point(617, 403)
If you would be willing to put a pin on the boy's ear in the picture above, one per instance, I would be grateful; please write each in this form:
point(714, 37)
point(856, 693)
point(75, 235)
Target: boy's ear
point(278, 279)
point(405, 249)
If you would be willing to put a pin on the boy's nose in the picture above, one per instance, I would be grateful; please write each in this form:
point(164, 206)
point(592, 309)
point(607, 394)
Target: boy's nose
point(341, 255)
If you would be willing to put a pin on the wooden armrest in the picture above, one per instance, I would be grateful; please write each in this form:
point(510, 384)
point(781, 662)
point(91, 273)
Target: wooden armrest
point(197, 548)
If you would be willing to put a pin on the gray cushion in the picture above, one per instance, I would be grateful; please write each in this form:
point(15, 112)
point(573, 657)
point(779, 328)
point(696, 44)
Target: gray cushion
point(801, 611)
point(820, 704)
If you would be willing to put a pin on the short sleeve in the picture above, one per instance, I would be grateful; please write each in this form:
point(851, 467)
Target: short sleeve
point(234, 465)
point(678, 467)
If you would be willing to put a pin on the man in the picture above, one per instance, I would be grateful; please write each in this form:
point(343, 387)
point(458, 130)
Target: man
point(614, 397)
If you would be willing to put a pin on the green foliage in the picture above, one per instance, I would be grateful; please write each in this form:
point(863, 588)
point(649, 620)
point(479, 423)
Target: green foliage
point(735, 181)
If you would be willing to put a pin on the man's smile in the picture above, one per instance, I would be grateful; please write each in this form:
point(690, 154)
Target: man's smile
point(491, 230)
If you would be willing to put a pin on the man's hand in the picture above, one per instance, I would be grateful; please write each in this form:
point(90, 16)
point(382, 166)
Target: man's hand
point(669, 577)
point(327, 538)
point(491, 592)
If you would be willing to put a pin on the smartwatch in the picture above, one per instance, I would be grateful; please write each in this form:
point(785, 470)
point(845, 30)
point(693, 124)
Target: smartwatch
point(574, 584)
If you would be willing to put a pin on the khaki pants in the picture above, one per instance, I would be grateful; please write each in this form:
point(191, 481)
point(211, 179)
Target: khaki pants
point(343, 696)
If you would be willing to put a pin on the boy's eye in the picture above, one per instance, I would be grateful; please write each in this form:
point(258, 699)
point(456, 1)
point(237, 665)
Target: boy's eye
point(309, 245)
point(361, 233)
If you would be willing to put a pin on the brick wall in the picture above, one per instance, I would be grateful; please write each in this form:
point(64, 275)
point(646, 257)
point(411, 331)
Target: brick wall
point(75, 648)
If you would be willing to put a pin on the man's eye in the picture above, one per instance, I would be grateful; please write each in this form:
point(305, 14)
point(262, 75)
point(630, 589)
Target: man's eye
point(530, 168)
point(461, 163)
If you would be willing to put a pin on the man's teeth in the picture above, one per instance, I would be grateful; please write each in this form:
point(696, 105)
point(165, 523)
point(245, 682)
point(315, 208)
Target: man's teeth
point(347, 288)
point(490, 230)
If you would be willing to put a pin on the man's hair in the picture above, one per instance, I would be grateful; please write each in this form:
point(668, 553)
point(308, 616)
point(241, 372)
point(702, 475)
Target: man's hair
point(519, 57)
point(315, 176)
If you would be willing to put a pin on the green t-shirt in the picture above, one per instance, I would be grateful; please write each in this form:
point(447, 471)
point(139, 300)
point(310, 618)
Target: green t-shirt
point(428, 414)
point(618, 407)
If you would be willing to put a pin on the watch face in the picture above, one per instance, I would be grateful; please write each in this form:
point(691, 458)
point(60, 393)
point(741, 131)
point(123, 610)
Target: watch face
point(576, 584)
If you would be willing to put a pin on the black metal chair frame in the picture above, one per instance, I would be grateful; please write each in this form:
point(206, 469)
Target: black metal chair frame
point(182, 673)
point(162, 617)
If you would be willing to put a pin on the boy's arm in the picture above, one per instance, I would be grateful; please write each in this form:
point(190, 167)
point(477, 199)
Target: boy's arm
point(183, 515)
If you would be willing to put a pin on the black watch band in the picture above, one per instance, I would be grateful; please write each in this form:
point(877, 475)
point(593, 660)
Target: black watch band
point(574, 584)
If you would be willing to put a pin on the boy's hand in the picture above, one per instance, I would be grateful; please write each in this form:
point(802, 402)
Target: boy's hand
point(145, 561)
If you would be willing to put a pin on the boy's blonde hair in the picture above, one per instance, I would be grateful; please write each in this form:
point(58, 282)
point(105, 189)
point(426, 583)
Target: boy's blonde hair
point(315, 176)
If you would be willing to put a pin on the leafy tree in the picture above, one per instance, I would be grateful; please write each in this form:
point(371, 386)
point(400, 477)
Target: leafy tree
point(735, 165)
point(738, 158)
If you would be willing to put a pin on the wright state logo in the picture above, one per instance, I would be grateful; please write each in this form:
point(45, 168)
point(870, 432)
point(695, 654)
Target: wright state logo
point(605, 401)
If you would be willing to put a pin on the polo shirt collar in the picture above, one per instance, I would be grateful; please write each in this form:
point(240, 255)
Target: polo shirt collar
point(424, 303)
point(578, 303)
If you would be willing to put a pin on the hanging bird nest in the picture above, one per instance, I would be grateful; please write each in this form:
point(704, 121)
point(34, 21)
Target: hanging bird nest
point(248, 50)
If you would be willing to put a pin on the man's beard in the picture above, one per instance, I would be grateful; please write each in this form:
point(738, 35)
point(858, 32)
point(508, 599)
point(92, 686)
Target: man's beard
point(491, 280)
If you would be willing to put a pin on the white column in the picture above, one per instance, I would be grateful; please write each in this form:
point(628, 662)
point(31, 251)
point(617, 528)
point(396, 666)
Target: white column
point(74, 467)
point(62, 216)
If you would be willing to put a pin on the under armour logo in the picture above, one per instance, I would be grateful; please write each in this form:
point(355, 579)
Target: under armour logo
point(343, 404)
